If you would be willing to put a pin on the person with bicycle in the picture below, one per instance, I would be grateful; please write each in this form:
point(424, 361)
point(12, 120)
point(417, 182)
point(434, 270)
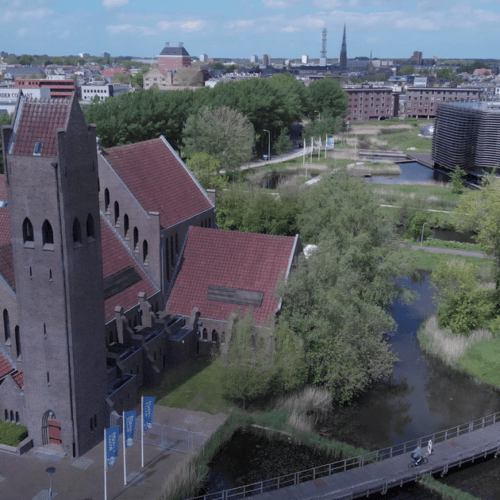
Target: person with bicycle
point(417, 456)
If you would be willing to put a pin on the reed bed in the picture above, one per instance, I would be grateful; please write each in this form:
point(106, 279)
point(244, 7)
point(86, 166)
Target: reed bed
point(448, 346)
point(446, 492)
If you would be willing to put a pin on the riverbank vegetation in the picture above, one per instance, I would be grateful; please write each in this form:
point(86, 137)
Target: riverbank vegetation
point(12, 434)
point(446, 492)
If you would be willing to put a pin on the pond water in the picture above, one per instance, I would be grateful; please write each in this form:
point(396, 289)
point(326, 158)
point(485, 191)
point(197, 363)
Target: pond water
point(422, 396)
point(410, 172)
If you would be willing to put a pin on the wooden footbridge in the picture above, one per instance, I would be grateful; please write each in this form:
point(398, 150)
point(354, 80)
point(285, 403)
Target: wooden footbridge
point(377, 471)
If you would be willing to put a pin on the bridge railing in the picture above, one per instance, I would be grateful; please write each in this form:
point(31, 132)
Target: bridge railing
point(295, 478)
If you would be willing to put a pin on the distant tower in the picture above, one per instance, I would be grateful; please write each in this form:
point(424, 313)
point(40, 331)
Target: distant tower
point(323, 61)
point(343, 53)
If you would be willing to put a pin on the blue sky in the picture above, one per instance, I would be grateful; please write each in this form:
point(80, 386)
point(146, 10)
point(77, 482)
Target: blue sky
point(241, 28)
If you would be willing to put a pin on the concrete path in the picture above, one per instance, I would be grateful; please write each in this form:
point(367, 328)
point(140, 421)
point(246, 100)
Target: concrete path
point(448, 251)
point(24, 477)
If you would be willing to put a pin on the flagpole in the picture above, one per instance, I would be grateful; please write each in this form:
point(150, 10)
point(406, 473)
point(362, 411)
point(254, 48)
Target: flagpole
point(105, 467)
point(124, 455)
point(142, 431)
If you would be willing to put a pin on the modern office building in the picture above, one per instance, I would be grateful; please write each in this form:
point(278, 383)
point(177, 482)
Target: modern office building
point(467, 135)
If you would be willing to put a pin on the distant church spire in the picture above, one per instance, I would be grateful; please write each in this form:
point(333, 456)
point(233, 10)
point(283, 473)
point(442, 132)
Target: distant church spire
point(343, 53)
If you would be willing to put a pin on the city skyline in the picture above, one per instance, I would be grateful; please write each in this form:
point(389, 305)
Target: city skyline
point(240, 28)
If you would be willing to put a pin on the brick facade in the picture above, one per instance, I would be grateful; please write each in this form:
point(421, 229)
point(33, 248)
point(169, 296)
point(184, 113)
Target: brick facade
point(371, 104)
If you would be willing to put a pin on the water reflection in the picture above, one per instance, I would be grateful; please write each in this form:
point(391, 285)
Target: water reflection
point(423, 396)
point(410, 172)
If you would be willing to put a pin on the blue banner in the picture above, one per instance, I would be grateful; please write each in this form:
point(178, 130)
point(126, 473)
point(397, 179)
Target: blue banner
point(147, 412)
point(112, 441)
point(130, 418)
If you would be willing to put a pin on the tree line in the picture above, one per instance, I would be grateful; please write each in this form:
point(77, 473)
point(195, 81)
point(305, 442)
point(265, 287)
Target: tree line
point(267, 104)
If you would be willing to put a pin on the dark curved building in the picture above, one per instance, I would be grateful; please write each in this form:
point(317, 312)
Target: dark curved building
point(467, 135)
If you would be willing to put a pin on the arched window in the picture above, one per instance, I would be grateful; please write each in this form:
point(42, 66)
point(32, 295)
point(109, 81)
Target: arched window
point(6, 415)
point(47, 235)
point(28, 238)
point(125, 226)
point(136, 239)
point(145, 251)
point(18, 342)
point(209, 222)
point(177, 243)
point(90, 228)
point(106, 199)
point(117, 213)
point(17, 417)
point(6, 326)
point(77, 233)
point(205, 334)
point(215, 337)
point(11, 416)
point(223, 338)
point(172, 249)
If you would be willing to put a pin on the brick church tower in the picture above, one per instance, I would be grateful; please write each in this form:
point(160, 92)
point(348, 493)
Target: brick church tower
point(52, 177)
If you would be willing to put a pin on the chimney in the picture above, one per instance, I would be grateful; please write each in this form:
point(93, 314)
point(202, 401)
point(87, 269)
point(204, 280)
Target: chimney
point(167, 44)
point(181, 44)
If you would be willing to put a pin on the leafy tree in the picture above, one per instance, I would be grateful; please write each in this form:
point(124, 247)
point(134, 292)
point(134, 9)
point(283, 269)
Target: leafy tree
point(283, 143)
point(96, 99)
point(221, 132)
point(122, 79)
point(206, 168)
point(408, 69)
point(327, 97)
point(479, 211)
point(248, 364)
point(336, 300)
point(98, 78)
point(456, 180)
point(245, 208)
point(463, 304)
point(5, 119)
point(416, 227)
point(138, 78)
point(189, 78)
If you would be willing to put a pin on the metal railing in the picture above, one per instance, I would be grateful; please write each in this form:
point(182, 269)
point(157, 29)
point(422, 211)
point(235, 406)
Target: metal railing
point(295, 478)
point(173, 438)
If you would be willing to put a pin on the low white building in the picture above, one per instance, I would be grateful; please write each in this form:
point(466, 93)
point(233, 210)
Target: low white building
point(9, 95)
point(102, 90)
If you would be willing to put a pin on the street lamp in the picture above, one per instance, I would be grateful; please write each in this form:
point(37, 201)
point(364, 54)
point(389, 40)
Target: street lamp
point(422, 237)
point(50, 471)
point(268, 146)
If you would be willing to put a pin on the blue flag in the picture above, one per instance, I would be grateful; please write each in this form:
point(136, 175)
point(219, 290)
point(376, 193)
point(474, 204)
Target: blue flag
point(112, 441)
point(130, 418)
point(147, 412)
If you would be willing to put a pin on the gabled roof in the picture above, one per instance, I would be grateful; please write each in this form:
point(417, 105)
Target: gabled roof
point(159, 180)
point(174, 51)
point(236, 264)
point(37, 121)
point(18, 378)
point(116, 258)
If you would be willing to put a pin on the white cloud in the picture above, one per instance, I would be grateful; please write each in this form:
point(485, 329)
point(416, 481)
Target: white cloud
point(191, 26)
point(130, 29)
point(281, 4)
point(114, 4)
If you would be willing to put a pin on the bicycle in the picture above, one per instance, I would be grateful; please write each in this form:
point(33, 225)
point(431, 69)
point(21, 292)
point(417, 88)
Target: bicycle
point(418, 463)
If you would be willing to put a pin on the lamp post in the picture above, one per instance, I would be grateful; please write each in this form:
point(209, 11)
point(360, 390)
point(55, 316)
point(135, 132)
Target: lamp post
point(50, 471)
point(422, 237)
point(268, 146)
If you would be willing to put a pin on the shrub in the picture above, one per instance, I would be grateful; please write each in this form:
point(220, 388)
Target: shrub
point(12, 434)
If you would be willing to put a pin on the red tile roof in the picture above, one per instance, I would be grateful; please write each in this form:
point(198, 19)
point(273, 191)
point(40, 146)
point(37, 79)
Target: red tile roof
point(6, 258)
point(115, 258)
point(18, 378)
point(232, 259)
point(39, 120)
point(5, 366)
point(146, 168)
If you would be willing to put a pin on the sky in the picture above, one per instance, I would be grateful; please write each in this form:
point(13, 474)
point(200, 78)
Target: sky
point(242, 28)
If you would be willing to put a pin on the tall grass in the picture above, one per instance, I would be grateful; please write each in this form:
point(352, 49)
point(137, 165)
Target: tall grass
point(446, 492)
point(444, 344)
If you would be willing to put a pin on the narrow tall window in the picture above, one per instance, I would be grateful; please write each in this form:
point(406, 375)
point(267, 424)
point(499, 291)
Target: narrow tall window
point(18, 342)
point(6, 326)
point(136, 239)
point(172, 249)
point(47, 236)
point(126, 226)
point(28, 238)
point(90, 228)
point(176, 243)
point(144, 252)
point(117, 213)
point(106, 199)
point(77, 233)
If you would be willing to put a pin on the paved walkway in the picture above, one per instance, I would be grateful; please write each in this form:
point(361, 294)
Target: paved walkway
point(24, 478)
point(448, 251)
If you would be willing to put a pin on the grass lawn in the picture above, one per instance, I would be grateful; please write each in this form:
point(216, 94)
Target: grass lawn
point(12, 434)
point(453, 245)
point(192, 386)
point(482, 360)
point(427, 261)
